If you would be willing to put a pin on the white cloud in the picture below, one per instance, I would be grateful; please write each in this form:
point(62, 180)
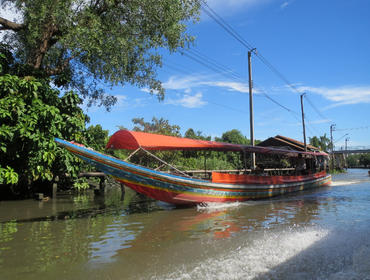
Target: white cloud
point(188, 82)
point(121, 100)
point(231, 6)
point(230, 86)
point(344, 95)
point(185, 82)
point(284, 5)
point(188, 101)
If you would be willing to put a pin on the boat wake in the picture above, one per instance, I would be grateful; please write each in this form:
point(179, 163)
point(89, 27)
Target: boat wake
point(216, 206)
point(253, 260)
point(344, 183)
point(308, 253)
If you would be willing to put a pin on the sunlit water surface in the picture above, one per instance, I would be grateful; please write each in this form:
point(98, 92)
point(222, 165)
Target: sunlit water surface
point(322, 234)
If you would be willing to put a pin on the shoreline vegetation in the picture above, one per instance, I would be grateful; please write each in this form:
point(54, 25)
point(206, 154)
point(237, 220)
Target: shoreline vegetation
point(42, 88)
point(32, 113)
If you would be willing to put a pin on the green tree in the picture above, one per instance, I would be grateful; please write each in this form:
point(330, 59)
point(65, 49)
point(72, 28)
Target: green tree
point(365, 159)
point(236, 137)
point(233, 136)
point(80, 43)
point(353, 160)
point(322, 142)
point(96, 137)
point(190, 133)
point(159, 126)
point(31, 115)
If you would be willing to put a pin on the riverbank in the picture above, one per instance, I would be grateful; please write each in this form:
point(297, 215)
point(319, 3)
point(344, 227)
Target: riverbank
point(321, 234)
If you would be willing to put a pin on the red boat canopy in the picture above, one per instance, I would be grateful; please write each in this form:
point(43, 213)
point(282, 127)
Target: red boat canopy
point(132, 140)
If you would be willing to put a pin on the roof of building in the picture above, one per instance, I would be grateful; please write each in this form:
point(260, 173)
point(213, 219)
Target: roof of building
point(283, 141)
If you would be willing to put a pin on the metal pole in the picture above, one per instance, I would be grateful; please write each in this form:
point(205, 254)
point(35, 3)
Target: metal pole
point(346, 141)
point(346, 155)
point(304, 128)
point(253, 163)
point(332, 128)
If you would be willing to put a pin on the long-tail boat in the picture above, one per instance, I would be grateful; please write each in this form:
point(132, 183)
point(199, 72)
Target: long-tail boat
point(180, 188)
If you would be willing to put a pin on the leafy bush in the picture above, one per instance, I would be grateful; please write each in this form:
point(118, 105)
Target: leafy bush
point(31, 115)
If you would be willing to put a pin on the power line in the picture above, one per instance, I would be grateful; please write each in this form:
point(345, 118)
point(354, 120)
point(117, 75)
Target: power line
point(216, 64)
point(277, 72)
point(353, 128)
point(340, 138)
point(315, 108)
point(208, 65)
point(274, 101)
point(227, 27)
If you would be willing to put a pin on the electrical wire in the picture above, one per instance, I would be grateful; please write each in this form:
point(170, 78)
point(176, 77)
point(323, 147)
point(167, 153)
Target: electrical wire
point(314, 107)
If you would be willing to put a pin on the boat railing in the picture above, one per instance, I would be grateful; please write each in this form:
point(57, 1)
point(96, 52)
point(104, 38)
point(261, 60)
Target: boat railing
point(206, 174)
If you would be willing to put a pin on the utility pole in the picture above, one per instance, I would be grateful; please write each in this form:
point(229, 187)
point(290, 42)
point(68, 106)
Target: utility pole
point(304, 128)
point(253, 163)
point(332, 128)
point(346, 155)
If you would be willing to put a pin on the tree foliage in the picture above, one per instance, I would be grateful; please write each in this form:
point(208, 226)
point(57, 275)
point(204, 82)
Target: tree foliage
point(96, 137)
point(234, 136)
point(82, 42)
point(31, 115)
point(159, 126)
point(321, 142)
point(365, 159)
point(358, 160)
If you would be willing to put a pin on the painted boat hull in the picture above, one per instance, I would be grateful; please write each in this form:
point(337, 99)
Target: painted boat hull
point(182, 190)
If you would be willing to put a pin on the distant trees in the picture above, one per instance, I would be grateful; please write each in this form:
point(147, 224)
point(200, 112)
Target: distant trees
point(233, 136)
point(321, 142)
point(190, 133)
point(359, 160)
point(159, 126)
point(365, 159)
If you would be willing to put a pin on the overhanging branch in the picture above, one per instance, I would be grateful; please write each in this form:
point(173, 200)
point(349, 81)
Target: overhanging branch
point(59, 69)
point(10, 25)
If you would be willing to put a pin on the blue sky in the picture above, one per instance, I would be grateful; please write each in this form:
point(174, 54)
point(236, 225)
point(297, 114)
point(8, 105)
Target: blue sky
point(321, 46)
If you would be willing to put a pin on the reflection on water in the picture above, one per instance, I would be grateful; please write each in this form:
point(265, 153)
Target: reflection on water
point(319, 234)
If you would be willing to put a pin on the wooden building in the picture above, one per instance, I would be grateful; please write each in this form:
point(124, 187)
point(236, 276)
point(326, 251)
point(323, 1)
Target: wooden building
point(288, 143)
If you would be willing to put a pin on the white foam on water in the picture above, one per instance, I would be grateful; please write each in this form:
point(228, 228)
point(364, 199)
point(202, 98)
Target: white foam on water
point(298, 253)
point(344, 183)
point(255, 259)
point(216, 206)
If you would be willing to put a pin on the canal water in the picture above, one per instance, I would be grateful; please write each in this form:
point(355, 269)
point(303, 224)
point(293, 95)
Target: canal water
point(322, 234)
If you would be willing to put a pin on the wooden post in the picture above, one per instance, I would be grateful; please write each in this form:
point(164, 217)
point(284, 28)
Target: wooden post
point(55, 187)
point(102, 184)
point(122, 191)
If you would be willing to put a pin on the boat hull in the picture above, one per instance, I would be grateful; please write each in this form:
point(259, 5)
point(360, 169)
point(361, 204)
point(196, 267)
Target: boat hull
point(182, 190)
